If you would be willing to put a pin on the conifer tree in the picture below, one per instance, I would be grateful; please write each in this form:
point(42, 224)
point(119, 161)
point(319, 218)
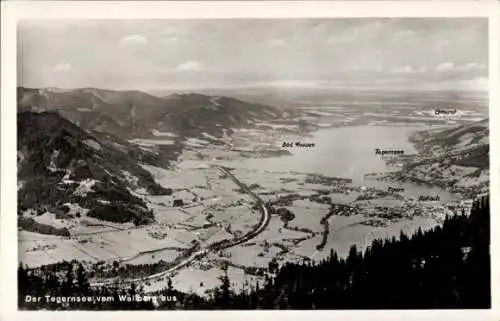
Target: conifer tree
point(82, 281)
point(67, 286)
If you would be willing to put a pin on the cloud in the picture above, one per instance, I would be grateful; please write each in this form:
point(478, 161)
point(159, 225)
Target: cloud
point(364, 32)
point(474, 84)
point(168, 31)
point(472, 66)
point(404, 35)
point(62, 67)
point(133, 40)
point(190, 66)
point(449, 66)
point(171, 38)
point(423, 69)
point(480, 83)
point(171, 31)
point(276, 42)
point(445, 66)
point(344, 37)
point(403, 70)
point(171, 34)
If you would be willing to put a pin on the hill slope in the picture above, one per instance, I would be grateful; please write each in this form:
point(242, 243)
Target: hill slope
point(456, 158)
point(60, 166)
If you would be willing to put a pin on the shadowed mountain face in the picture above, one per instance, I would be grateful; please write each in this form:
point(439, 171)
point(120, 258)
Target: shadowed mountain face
point(456, 158)
point(133, 114)
point(61, 166)
point(465, 145)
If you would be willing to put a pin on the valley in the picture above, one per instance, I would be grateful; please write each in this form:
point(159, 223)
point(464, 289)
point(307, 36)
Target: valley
point(230, 194)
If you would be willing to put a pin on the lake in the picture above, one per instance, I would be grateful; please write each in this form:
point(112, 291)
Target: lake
point(347, 152)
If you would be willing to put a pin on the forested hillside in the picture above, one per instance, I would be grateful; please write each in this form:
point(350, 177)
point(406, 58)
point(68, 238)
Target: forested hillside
point(60, 167)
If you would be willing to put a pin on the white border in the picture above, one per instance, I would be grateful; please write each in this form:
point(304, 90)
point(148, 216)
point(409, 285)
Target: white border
point(14, 11)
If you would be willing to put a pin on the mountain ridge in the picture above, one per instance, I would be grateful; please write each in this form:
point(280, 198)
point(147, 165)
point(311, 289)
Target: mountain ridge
point(135, 114)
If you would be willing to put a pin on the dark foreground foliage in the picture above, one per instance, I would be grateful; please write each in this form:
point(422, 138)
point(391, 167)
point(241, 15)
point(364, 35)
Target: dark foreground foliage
point(447, 267)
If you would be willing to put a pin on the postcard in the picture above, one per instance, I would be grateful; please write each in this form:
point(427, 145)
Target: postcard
point(250, 157)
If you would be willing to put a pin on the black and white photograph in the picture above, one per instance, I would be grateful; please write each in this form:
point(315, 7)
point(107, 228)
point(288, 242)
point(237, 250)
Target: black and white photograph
point(322, 163)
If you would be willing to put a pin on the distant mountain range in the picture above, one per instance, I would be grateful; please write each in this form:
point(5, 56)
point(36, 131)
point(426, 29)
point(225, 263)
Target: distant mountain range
point(135, 114)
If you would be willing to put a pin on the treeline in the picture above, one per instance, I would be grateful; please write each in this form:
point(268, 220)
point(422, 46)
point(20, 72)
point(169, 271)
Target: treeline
point(127, 271)
point(447, 267)
point(29, 224)
point(326, 226)
point(48, 285)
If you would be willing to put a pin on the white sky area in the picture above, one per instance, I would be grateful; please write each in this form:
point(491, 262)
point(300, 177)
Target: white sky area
point(156, 54)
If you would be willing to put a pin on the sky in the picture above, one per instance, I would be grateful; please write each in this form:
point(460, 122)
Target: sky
point(156, 54)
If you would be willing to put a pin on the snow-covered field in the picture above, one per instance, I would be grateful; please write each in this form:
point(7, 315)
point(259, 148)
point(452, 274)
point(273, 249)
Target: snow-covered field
point(276, 233)
point(152, 142)
point(254, 255)
point(105, 244)
point(308, 214)
point(148, 258)
point(199, 281)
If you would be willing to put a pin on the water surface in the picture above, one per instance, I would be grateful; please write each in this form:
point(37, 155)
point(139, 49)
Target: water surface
point(347, 152)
